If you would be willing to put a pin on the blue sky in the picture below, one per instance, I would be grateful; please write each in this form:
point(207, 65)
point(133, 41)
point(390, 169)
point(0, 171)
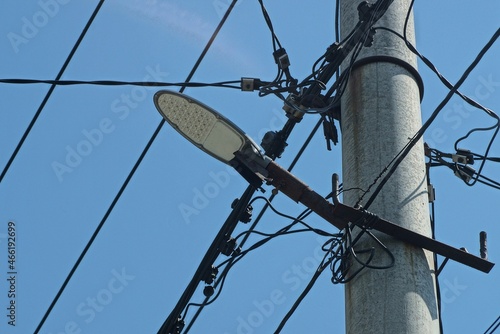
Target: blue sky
point(149, 248)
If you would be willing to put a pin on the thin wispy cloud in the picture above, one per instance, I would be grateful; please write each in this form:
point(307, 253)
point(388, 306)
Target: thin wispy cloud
point(184, 24)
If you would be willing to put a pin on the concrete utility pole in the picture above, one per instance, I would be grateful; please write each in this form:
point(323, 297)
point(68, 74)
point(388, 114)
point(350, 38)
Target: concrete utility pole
point(380, 112)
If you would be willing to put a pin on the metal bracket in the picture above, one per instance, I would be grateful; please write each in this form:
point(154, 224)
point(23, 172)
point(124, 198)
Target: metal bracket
point(340, 215)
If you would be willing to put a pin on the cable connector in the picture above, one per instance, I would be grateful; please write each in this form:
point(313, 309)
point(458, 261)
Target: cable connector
point(365, 10)
point(245, 216)
point(431, 192)
point(465, 172)
point(230, 248)
point(250, 84)
point(331, 52)
point(483, 246)
point(330, 132)
point(281, 58)
point(274, 144)
point(210, 275)
point(463, 157)
point(292, 108)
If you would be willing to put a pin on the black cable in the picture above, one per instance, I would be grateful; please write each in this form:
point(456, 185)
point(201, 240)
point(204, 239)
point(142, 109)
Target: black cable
point(483, 162)
point(467, 99)
point(494, 326)
point(337, 21)
point(361, 31)
point(229, 263)
point(51, 90)
point(322, 266)
point(341, 83)
point(343, 251)
point(32, 123)
point(281, 58)
point(404, 152)
point(225, 84)
point(436, 279)
point(296, 220)
point(436, 160)
point(480, 157)
point(130, 175)
point(270, 26)
point(434, 69)
point(348, 251)
point(429, 64)
point(450, 86)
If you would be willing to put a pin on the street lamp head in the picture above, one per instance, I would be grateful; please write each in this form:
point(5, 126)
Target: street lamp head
point(203, 126)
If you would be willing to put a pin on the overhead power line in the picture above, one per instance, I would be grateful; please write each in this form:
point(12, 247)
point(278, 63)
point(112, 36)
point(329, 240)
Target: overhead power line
point(494, 326)
point(225, 84)
point(51, 90)
point(30, 126)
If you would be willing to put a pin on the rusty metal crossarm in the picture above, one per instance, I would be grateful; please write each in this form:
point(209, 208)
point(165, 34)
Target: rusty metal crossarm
point(341, 215)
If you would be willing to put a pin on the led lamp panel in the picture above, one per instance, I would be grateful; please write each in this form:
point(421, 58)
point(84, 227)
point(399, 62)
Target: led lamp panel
point(201, 125)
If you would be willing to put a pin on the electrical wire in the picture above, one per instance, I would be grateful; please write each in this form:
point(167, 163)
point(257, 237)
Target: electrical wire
point(436, 159)
point(229, 263)
point(406, 149)
point(33, 121)
point(451, 87)
point(339, 274)
point(494, 326)
point(339, 255)
point(434, 255)
point(322, 266)
point(281, 59)
point(276, 42)
point(337, 21)
point(496, 127)
point(341, 83)
point(224, 84)
point(132, 172)
point(446, 83)
point(50, 91)
point(237, 256)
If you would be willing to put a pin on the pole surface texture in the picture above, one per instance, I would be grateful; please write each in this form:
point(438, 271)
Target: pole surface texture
point(380, 112)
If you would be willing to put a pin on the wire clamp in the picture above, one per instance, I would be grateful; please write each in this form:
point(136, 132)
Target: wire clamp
point(463, 157)
point(464, 172)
